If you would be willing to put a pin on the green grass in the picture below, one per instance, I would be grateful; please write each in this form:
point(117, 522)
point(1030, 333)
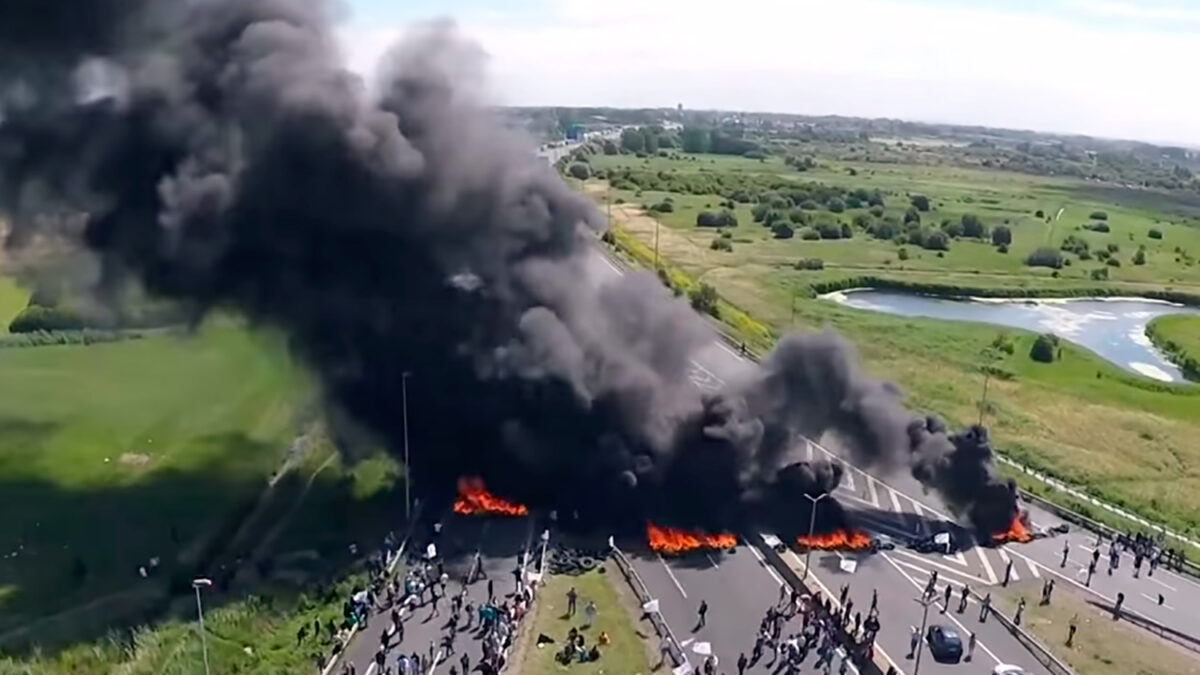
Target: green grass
point(104, 449)
point(1179, 337)
point(626, 654)
point(1125, 438)
point(1101, 646)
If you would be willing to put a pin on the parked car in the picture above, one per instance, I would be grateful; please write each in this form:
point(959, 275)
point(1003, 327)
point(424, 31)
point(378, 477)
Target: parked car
point(944, 643)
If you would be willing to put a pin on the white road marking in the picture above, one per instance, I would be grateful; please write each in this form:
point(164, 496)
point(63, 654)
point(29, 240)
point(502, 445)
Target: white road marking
point(711, 559)
point(1155, 601)
point(1167, 586)
point(849, 477)
point(612, 266)
point(766, 565)
point(809, 445)
point(987, 565)
point(895, 499)
point(921, 561)
point(722, 345)
point(920, 586)
point(1033, 568)
point(672, 575)
point(872, 490)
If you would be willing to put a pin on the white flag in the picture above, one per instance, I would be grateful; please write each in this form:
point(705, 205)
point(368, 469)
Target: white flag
point(651, 606)
point(703, 648)
point(942, 538)
point(848, 566)
point(431, 551)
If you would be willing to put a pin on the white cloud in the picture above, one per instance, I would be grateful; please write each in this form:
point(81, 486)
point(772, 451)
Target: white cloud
point(855, 57)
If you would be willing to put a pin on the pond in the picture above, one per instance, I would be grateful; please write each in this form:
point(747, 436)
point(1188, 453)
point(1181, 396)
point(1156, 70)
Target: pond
point(1113, 328)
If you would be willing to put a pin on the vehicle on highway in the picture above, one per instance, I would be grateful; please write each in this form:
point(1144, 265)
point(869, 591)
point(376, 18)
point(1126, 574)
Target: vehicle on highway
point(1008, 669)
point(938, 542)
point(944, 643)
point(882, 542)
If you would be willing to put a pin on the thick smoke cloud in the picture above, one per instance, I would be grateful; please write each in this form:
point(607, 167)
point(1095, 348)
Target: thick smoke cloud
point(221, 155)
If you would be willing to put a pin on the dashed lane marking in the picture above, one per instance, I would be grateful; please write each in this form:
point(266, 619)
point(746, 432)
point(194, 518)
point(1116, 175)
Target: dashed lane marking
point(672, 575)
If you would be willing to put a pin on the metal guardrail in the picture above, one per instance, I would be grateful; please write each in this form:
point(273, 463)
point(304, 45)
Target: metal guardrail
point(678, 658)
point(1032, 644)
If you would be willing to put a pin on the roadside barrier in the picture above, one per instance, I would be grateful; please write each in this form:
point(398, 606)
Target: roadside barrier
point(678, 658)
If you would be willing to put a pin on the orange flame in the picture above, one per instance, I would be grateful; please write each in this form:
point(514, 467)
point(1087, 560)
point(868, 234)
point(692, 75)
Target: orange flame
point(474, 499)
point(1016, 532)
point(838, 540)
point(674, 542)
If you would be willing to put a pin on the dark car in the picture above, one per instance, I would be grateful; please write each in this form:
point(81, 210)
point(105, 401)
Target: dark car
point(931, 544)
point(944, 644)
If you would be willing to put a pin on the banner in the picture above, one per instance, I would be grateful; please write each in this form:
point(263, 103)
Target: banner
point(651, 606)
point(848, 566)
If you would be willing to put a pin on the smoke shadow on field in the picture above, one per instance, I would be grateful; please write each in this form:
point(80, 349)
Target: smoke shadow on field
point(70, 556)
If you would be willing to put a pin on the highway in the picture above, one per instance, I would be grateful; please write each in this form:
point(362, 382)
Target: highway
point(502, 543)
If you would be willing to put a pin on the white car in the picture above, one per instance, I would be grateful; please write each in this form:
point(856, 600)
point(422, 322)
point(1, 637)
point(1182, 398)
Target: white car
point(1005, 669)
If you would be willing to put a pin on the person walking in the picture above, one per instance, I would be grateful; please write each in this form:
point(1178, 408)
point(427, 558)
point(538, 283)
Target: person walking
point(1007, 573)
point(1066, 551)
point(703, 612)
point(962, 602)
point(914, 639)
point(742, 661)
point(1020, 611)
point(946, 598)
point(1071, 628)
point(572, 596)
point(984, 607)
point(971, 646)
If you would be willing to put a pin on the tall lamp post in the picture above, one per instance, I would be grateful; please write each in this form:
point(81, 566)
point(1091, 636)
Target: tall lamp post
point(925, 601)
point(407, 466)
point(198, 584)
point(812, 524)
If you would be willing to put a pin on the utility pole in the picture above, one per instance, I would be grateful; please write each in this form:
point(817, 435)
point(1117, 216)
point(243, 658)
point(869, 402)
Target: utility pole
point(407, 466)
point(792, 321)
point(656, 245)
point(198, 584)
point(987, 375)
point(924, 601)
point(812, 523)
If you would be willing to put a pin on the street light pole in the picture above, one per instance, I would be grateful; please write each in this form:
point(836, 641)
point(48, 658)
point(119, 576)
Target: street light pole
point(812, 524)
point(407, 466)
point(197, 584)
point(925, 601)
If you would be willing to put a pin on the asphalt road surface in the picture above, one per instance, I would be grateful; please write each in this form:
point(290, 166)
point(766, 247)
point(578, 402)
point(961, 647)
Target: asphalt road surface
point(502, 543)
point(739, 587)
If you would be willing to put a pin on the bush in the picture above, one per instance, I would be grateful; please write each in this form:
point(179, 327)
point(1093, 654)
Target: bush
point(809, 234)
point(847, 231)
point(1039, 214)
point(1113, 248)
point(911, 215)
point(37, 318)
point(876, 211)
point(1001, 236)
point(884, 229)
point(704, 299)
point(1099, 274)
point(1045, 348)
point(1139, 258)
point(902, 253)
point(936, 241)
point(973, 227)
point(862, 221)
point(721, 244)
point(665, 206)
point(836, 205)
point(798, 216)
point(782, 231)
point(1044, 257)
point(811, 264)
point(723, 219)
point(759, 212)
point(1098, 226)
point(1075, 245)
point(1155, 233)
point(610, 148)
point(1098, 215)
point(829, 231)
point(1113, 262)
point(580, 171)
point(809, 205)
point(1003, 248)
point(920, 202)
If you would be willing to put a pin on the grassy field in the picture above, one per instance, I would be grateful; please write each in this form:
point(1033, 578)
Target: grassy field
point(116, 453)
point(1101, 646)
point(1179, 337)
point(626, 653)
point(1126, 438)
point(13, 299)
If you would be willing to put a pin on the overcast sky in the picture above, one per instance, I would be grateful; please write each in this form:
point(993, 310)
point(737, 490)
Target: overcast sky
point(1116, 68)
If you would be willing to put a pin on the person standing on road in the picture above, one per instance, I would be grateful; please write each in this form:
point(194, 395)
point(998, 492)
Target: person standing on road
point(1020, 611)
point(984, 607)
point(491, 591)
point(1007, 573)
point(874, 600)
point(465, 661)
point(914, 639)
point(971, 647)
point(1066, 551)
point(962, 602)
point(572, 596)
point(742, 662)
point(946, 598)
point(702, 612)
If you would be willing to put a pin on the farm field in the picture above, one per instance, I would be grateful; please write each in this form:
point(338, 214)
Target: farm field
point(1081, 418)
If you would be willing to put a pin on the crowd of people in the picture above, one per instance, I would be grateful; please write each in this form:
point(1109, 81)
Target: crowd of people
point(426, 585)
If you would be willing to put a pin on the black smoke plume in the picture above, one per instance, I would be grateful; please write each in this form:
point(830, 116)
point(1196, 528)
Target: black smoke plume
point(218, 152)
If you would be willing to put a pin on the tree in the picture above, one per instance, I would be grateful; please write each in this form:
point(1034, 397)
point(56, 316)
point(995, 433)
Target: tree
point(1155, 233)
point(1045, 348)
point(1044, 257)
point(847, 231)
point(973, 226)
point(1098, 215)
point(902, 253)
point(952, 228)
point(936, 241)
point(885, 229)
point(720, 244)
point(836, 205)
point(650, 140)
point(704, 299)
point(876, 211)
point(912, 216)
point(707, 219)
point(920, 202)
point(726, 218)
point(862, 221)
point(610, 148)
point(1039, 214)
point(665, 206)
point(580, 171)
point(782, 231)
point(798, 216)
point(633, 140)
point(829, 231)
point(1139, 258)
point(1001, 235)
point(759, 212)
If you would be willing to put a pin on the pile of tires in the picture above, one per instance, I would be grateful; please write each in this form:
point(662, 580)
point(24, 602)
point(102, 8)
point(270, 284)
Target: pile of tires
point(571, 560)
